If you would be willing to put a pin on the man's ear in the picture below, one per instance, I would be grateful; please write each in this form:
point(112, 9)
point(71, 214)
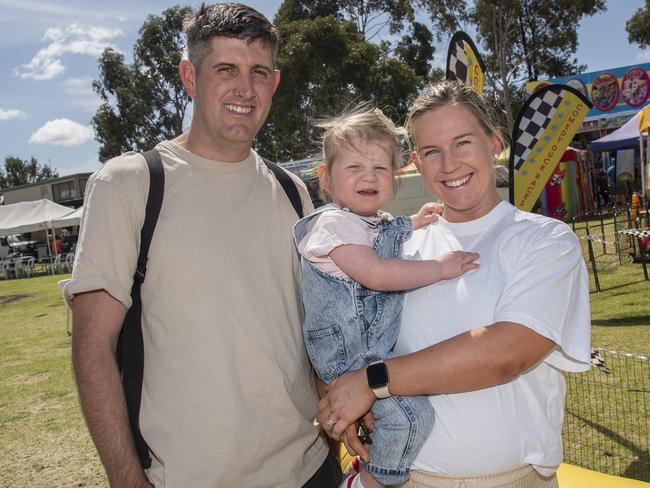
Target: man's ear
point(276, 79)
point(188, 77)
point(324, 177)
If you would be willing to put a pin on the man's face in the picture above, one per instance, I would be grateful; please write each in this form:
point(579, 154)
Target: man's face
point(232, 92)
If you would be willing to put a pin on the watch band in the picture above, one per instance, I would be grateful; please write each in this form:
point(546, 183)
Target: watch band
point(382, 392)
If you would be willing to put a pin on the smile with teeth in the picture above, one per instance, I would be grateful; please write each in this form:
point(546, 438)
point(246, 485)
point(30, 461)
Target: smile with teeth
point(458, 182)
point(239, 109)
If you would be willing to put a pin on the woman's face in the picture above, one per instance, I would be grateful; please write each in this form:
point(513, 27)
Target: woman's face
point(456, 158)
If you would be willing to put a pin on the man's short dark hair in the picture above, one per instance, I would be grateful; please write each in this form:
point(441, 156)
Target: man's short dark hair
point(233, 20)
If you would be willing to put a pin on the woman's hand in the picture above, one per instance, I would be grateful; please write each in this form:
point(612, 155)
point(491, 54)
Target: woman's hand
point(353, 443)
point(346, 400)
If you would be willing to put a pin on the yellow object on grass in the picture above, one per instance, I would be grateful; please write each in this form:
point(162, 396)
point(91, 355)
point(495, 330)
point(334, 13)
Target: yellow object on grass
point(574, 477)
point(568, 476)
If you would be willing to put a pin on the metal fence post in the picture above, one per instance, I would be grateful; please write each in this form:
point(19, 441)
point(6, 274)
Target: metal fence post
point(643, 258)
point(602, 231)
point(594, 268)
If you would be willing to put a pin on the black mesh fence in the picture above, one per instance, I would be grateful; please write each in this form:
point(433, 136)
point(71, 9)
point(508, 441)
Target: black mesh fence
point(615, 244)
point(606, 415)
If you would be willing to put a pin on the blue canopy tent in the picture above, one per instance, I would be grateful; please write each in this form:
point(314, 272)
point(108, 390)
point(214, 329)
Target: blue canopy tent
point(625, 137)
point(628, 136)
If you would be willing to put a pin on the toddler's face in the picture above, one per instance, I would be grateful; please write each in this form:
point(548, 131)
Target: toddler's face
point(361, 177)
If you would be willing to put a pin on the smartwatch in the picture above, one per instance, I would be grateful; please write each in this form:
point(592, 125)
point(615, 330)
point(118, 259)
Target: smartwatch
point(377, 374)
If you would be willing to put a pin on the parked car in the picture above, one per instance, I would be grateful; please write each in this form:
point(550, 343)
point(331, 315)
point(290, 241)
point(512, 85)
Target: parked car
point(19, 245)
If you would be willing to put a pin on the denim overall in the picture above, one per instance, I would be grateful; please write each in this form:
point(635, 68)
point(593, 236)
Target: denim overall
point(347, 327)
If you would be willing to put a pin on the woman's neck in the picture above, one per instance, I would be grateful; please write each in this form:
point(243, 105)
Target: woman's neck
point(458, 215)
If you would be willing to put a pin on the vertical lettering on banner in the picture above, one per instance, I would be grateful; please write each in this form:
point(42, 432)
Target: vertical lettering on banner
point(549, 143)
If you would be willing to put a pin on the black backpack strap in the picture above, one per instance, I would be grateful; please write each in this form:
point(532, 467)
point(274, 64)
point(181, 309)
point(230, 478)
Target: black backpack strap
point(130, 345)
point(288, 185)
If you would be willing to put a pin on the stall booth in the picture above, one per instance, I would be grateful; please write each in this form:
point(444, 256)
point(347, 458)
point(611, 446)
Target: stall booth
point(569, 191)
point(629, 151)
point(644, 140)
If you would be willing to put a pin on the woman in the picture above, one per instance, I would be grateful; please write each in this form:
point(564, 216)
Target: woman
point(488, 347)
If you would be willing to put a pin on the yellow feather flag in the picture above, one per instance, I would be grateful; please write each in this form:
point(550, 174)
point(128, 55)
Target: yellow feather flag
point(464, 62)
point(544, 129)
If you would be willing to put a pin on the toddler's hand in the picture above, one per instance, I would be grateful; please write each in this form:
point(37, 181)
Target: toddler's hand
point(428, 214)
point(455, 263)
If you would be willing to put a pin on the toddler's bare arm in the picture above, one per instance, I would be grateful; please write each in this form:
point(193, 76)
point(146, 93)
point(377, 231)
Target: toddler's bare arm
point(363, 265)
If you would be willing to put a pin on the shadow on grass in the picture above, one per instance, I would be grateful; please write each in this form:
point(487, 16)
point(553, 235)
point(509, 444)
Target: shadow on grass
point(633, 320)
point(639, 468)
point(604, 286)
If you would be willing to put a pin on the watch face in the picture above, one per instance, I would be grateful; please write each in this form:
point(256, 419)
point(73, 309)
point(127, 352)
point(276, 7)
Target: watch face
point(377, 375)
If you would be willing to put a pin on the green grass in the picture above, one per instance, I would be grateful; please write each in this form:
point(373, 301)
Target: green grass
point(43, 438)
point(620, 318)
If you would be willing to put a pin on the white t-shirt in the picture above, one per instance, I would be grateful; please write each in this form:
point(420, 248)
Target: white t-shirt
point(532, 273)
point(228, 397)
point(334, 228)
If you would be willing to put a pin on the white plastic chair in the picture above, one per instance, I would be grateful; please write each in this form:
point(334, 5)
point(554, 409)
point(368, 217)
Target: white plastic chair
point(69, 262)
point(29, 266)
point(7, 268)
point(55, 266)
point(19, 267)
point(68, 315)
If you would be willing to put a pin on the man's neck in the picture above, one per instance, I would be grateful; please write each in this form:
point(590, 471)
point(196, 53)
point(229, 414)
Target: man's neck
point(208, 150)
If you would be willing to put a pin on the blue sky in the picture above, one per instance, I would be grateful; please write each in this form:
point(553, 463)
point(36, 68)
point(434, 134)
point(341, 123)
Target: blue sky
point(49, 51)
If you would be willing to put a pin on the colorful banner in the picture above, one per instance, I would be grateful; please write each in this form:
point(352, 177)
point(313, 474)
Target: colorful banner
point(616, 92)
point(544, 129)
point(568, 191)
point(464, 62)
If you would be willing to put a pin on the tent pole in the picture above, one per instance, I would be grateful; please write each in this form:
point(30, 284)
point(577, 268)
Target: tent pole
point(642, 164)
point(49, 247)
point(645, 167)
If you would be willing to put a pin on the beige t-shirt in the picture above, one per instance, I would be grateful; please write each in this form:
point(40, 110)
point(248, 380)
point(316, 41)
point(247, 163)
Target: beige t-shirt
point(228, 396)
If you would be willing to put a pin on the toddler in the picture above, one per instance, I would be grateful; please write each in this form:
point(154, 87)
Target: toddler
point(353, 281)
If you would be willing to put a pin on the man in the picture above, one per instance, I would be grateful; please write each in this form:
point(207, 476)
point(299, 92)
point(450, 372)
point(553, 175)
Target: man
point(56, 246)
point(228, 397)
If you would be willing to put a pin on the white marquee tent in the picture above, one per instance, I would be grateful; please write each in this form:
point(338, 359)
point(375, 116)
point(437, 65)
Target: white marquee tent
point(73, 218)
point(32, 216)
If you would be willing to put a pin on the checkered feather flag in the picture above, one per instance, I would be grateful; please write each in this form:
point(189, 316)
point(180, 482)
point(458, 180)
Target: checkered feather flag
point(464, 63)
point(544, 129)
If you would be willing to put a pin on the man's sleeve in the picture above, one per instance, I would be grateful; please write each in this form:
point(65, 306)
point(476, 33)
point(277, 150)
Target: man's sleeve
point(548, 291)
point(109, 238)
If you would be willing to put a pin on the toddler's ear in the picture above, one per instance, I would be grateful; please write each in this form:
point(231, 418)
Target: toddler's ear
point(324, 177)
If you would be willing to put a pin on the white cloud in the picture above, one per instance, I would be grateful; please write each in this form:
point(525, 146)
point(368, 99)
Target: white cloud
point(9, 113)
point(62, 132)
point(644, 56)
point(74, 39)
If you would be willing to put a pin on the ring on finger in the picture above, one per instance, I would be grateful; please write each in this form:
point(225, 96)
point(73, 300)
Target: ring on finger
point(331, 422)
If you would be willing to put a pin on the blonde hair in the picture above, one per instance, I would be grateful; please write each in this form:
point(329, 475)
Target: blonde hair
point(363, 124)
point(454, 94)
